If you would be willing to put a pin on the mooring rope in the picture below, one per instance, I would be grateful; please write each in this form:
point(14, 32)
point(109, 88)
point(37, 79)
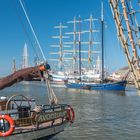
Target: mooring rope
point(51, 94)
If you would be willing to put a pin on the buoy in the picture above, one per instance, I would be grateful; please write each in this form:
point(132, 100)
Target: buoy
point(71, 114)
point(12, 125)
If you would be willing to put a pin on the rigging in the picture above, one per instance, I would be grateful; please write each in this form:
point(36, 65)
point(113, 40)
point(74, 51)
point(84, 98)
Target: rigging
point(51, 95)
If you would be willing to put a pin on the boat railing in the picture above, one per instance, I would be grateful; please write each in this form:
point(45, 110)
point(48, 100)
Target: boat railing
point(26, 117)
point(27, 121)
point(54, 107)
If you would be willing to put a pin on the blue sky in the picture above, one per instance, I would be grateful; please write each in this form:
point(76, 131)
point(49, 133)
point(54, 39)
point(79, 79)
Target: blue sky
point(44, 15)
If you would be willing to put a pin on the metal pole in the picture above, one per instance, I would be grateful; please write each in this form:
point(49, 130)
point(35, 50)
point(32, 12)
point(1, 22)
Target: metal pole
point(102, 28)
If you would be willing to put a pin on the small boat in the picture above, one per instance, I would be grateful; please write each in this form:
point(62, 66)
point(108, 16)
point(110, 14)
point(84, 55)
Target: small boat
point(21, 117)
point(58, 77)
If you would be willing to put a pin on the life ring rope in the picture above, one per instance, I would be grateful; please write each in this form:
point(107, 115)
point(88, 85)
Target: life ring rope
point(12, 125)
point(71, 114)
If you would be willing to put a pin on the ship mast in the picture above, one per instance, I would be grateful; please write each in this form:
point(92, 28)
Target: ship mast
point(79, 44)
point(75, 43)
point(128, 28)
point(60, 46)
point(102, 40)
point(74, 59)
point(91, 42)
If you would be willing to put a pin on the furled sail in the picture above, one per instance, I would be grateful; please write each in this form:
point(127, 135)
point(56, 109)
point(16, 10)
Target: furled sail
point(23, 74)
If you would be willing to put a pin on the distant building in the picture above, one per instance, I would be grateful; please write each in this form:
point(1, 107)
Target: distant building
point(25, 62)
point(14, 65)
point(121, 74)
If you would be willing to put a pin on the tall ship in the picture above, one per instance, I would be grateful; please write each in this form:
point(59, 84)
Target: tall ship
point(102, 84)
point(72, 63)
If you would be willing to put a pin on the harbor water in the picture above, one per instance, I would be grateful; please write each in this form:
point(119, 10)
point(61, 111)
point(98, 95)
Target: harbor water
point(99, 115)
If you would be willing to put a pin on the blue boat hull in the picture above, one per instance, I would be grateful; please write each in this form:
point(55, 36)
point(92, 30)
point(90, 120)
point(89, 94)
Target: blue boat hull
point(78, 85)
point(109, 86)
point(100, 86)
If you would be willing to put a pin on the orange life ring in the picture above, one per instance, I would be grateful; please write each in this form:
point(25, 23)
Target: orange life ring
point(12, 125)
point(71, 114)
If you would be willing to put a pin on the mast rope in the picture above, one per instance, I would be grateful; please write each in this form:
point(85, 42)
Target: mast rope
point(128, 27)
point(51, 95)
point(37, 41)
point(24, 29)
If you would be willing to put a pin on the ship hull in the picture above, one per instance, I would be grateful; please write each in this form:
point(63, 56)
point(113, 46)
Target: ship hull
point(46, 133)
point(109, 86)
point(98, 86)
point(78, 85)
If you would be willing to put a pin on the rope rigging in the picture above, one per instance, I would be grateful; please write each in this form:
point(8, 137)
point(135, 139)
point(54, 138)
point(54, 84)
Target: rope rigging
point(24, 29)
point(51, 95)
point(125, 17)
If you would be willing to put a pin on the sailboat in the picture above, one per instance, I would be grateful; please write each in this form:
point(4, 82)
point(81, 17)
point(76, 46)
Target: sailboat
point(119, 85)
point(21, 117)
point(68, 63)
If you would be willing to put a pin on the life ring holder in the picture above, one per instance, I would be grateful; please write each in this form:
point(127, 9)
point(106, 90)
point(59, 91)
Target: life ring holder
point(71, 114)
point(12, 125)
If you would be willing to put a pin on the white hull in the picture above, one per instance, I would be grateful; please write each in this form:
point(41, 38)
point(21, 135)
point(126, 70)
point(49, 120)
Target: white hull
point(37, 134)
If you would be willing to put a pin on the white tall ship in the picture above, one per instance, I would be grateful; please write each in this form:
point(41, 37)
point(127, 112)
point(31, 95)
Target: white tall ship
point(75, 63)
